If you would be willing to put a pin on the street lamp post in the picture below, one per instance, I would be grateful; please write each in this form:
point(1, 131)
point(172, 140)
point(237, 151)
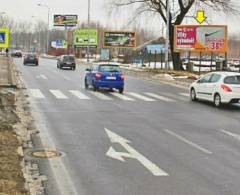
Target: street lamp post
point(88, 47)
point(39, 36)
point(43, 5)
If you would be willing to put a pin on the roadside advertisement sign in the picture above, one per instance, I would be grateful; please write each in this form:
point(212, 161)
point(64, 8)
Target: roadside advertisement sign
point(201, 38)
point(59, 44)
point(119, 39)
point(105, 54)
point(155, 48)
point(4, 37)
point(80, 37)
point(65, 20)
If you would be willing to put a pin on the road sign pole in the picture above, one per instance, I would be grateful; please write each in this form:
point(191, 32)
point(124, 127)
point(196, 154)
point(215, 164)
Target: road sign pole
point(88, 47)
point(167, 34)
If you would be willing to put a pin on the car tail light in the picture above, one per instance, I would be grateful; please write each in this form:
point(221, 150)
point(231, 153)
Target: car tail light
point(226, 88)
point(98, 75)
point(122, 77)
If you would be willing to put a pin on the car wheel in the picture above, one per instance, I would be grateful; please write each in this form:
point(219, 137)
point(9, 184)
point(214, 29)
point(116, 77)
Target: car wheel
point(120, 90)
point(217, 100)
point(86, 85)
point(60, 67)
point(74, 67)
point(94, 87)
point(193, 94)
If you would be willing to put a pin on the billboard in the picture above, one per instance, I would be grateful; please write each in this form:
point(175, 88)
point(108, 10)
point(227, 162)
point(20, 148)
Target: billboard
point(119, 39)
point(201, 38)
point(80, 37)
point(105, 54)
point(59, 44)
point(65, 20)
point(155, 48)
point(4, 37)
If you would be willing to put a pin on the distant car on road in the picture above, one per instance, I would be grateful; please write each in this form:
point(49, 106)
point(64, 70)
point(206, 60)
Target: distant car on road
point(30, 59)
point(16, 53)
point(105, 76)
point(66, 61)
point(217, 87)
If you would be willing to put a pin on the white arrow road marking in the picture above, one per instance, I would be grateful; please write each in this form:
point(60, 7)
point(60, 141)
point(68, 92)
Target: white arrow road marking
point(231, 134)
point(132, 153)
point(188, 142)
point(36, 93)
point(159, 97)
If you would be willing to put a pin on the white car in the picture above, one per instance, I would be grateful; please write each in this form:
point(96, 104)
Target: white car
point(217, 87)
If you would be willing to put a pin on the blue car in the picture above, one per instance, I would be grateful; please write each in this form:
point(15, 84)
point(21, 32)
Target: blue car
point(105, 76)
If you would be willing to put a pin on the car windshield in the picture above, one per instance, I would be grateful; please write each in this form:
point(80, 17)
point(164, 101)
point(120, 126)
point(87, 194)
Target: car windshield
point(68, 58)
point(109, 68)
point(234, 80)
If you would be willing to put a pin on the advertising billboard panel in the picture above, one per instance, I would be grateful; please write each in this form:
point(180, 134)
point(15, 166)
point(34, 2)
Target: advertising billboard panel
point(155, 48)
point(80, 37)
point(105, 54)
point(4, 37)
point(201, 38)
point(59, 44)
point(119, 39)
point(65, 20)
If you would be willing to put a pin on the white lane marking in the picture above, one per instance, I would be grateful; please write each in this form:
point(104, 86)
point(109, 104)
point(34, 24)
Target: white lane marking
point(188, 142)
point(100, 95)
point(234, 135)
point(43, 76)
point(79, 95)
point(58, 94)
point(36, 93)
point(141, 97)
point(159, 97)
point(131, 153)
point(66, 78)
point(184, 94)
point(175, 96)
point(122, 97)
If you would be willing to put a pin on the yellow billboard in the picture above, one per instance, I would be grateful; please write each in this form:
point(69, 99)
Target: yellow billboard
point(4, 37)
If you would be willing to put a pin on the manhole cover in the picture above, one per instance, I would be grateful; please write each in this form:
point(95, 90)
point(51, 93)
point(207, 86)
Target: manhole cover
point(46, 154)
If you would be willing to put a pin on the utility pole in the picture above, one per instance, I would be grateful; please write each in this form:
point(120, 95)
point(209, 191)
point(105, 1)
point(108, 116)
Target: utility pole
point(167, 34)
point(88, 47)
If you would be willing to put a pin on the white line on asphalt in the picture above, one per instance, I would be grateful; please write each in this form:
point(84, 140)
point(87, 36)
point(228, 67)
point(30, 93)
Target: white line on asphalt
point(100, 95)
point(66, 78)
point(188, 142)
point(36, 93)
point(175, 96)
point(159, 97)
point(122, 97)
point(136, 95)
point(184, 94)
point(236, 136)
point(43, 76)
point(79, 95)
point(58, 94)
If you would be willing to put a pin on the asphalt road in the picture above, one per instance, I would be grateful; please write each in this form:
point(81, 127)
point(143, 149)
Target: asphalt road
point(169, 145)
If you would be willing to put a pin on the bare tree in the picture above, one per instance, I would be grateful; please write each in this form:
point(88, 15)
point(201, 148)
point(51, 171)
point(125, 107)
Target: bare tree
point(176, 16)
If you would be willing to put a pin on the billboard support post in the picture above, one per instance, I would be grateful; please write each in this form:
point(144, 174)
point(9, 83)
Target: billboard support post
point(200, 63)
point(161, 59)
point(155, 59)
point(167, 34)
point(211, 61)
point(88, 47)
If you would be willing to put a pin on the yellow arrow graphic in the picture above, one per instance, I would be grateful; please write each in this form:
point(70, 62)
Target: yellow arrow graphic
point(200, 17)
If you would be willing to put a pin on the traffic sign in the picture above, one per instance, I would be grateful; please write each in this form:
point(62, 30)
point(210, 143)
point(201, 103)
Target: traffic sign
point(4, 37)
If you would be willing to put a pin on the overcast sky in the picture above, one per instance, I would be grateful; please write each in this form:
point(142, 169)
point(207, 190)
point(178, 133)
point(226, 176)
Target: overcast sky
point(24, 9)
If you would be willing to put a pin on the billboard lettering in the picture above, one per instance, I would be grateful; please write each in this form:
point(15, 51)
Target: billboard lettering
point(65, 20)
point(81, 36)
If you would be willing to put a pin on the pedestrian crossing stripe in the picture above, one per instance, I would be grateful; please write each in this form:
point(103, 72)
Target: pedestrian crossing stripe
point(129, 96)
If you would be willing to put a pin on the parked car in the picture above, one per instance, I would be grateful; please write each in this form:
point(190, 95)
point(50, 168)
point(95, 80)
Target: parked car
point(30, 59)
point(66, 61)
point(105, 76)
point(16, 53)
point(217, 87)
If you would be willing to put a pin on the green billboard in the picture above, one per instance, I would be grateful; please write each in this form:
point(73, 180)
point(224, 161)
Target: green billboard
point(80, 37)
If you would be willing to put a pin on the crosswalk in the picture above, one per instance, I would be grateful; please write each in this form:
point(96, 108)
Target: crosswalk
point(106, 96)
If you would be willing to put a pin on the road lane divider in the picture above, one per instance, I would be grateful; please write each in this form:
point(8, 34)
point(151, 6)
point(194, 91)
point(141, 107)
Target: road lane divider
point(58, 94)
point(141, 97)
point(175, 96)
point(234, 135)
point(159, 97)
point(36, 93)
point(196, 146)
point(79, 95)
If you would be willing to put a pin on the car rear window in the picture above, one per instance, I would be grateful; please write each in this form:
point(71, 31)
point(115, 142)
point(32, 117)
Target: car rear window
point(68, 58)
point(31, 56)
point(109, 68)
point(234, 80)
